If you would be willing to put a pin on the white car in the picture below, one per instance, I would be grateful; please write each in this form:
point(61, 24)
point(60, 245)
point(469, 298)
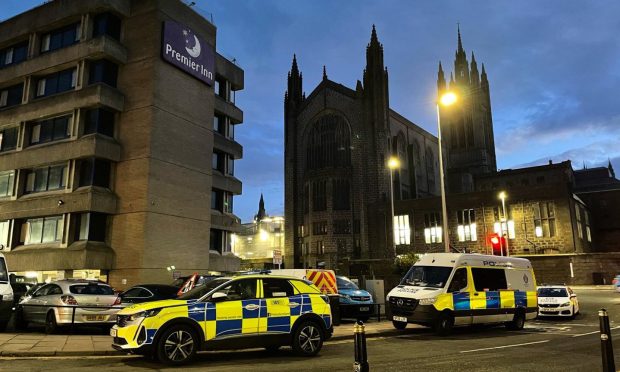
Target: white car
point(557, 300)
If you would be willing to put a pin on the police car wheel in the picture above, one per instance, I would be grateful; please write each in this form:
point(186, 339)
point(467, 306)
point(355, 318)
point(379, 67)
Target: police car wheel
point(177, 345)
point(399, 325)
point(444, 324)
point(307, 339)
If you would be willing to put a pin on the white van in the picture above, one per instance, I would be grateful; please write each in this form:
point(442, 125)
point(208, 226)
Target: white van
point(6, 295)
point(443, 290)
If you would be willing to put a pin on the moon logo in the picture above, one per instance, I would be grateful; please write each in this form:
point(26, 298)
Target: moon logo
point(192, 50)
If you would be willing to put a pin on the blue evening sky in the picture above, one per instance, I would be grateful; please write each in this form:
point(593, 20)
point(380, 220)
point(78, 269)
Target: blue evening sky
point(553, 67)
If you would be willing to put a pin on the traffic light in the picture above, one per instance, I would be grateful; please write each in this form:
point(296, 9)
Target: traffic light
point(498, 243)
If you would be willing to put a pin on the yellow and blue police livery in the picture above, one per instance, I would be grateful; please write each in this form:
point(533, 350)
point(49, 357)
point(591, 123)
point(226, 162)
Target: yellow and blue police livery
point(446, 289)
point(228, 313)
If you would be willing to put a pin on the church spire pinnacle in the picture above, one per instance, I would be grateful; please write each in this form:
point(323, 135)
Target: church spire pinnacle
point(460, 46)
point(324, 73)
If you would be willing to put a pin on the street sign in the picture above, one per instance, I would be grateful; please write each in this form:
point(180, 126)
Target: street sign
point(277, 257)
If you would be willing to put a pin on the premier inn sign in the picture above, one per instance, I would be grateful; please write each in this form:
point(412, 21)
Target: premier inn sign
point(188, 52)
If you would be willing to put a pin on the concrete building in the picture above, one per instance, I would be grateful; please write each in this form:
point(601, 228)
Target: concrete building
point(117, 145)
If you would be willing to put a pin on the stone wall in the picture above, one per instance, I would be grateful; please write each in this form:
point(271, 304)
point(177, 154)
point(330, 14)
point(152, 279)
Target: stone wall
point(588, 268)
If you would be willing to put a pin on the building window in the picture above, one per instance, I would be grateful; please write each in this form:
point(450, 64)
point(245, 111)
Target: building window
point(219, 124)
point(466, 225)
point(46, 178)
point(320, 247)
point(342, 226)
point(230, 165)
point(99, 120)
point(504, 225)
point(430, 169)
point(60, 38)
point(306, 199)
point(14, 54)
point(228, 202)
point(217, 161)
point(4, 234)
point(95, 172)
point(578, 217)
point(56, 83)
point(544, 219)
point(402, 230)
point(44, 230)
point(107, 24)
point(319, 198)
point(220, 241)
point(11, 96)
point(103, 71)
point(222, 88)
point(319, 228)
point(432, 228)
point(8, 138)
point(301, 230)
point(216, 199)
point(7, 182)
point(91, 226)
point(341, 195)
point(329, 143)
point(49, 130)
point(586, 214)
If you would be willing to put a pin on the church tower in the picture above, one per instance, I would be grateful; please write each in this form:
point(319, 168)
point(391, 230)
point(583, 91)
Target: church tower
point(467, 126)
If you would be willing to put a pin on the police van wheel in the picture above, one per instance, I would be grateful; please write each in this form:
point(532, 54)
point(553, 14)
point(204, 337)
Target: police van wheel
point(177, 345)
point(444, 324)
point(307, 339)
point(517, 322)
point(399, 325)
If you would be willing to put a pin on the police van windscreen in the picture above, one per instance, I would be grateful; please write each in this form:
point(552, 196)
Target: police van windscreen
point(4, 275)
point(427, 276)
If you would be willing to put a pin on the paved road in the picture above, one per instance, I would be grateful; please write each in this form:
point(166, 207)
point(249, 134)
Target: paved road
point(544, 345)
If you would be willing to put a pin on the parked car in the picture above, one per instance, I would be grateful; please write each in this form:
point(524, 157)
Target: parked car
point(19, 290)
point(6, 295)
point(33, 288)
point(354, 302)
point(60, 303)
point(148, 292)
point(616, 283)
point(557, 300)
point(228, 315)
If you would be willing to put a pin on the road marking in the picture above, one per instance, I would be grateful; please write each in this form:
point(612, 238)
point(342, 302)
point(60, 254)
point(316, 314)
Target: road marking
point(505, 346)
point(593, 332)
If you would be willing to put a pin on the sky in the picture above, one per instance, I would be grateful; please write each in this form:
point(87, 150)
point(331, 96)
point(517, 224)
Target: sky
point(553, 68)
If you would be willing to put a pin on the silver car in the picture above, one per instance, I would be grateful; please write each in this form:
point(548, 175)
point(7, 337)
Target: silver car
point(54, 304)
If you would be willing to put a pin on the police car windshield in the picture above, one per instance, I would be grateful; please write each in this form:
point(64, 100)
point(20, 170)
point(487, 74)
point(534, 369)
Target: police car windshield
point(427, 276)
point(202, 290)
point(552, 292)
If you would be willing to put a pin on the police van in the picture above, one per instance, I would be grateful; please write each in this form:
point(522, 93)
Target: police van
point(6, 295)
point(443, 290)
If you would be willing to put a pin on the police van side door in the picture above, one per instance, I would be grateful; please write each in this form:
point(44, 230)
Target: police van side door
point(459, 289)
point(276, 316)
point(488, 283)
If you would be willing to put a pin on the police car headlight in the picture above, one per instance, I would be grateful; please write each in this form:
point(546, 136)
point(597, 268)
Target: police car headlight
point(428, 301)
point(566, 304)
point(143, 314)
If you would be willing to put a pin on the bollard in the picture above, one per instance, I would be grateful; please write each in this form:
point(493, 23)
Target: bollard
point(361, 362)
point(607, 351)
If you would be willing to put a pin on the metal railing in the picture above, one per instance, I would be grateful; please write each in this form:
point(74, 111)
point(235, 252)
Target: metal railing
point(73, 309)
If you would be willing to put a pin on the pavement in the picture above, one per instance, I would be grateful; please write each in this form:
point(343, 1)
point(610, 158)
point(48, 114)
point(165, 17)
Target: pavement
point(39, 344)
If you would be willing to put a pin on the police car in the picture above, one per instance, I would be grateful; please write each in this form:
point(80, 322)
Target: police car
point(228, 313)
point(557, 300)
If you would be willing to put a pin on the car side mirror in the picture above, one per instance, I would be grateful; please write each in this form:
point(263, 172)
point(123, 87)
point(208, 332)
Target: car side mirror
point(219, 296)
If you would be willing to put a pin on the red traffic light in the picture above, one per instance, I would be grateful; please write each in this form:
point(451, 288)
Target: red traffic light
point(495, 239)
point(498, 243)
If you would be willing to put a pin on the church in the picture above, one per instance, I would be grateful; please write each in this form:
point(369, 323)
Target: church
point(347, 210)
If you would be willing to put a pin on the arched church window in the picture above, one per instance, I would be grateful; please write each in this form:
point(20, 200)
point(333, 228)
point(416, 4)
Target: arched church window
point(328, 143)
point(403, 171)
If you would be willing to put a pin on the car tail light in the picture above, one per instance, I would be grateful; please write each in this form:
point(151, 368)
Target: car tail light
point(117, 301)
point(68, 300)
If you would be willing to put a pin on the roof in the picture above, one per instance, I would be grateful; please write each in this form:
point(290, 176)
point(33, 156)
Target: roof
point(454, 259)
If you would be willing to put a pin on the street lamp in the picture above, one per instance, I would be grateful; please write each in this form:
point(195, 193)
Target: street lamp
point(502, 196)
point(446, 99)
point(393, 163)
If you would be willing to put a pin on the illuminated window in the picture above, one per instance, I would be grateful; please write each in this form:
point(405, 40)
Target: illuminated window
point(544, 219)
point(504, 225)
point(432, 228)
point(466, 225)
point(402, 230)
point(320, 247)
point(44, 230)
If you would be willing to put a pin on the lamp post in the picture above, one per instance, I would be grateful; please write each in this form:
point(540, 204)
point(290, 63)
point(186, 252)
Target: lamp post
point(393, 163)
point(446, 99)
point(502, 196)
